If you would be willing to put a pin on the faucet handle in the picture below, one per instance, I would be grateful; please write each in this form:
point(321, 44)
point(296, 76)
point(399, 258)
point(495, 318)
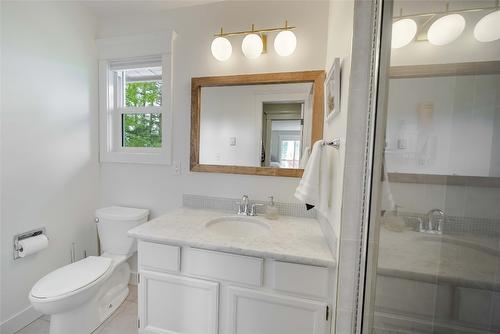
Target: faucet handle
point(253, 211)
point(239, 206)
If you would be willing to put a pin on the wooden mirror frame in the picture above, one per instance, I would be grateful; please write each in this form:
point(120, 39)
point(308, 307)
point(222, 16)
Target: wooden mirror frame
point(317, 78)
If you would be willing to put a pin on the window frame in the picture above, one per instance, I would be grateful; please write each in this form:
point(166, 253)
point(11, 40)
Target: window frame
point(116, 55)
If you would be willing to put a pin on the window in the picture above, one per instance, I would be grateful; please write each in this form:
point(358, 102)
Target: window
point(134, 115)
point(289, 152)
point(287, 134)
point(137, 91)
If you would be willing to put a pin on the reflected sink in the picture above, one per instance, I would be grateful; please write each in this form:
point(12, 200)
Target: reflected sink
point(238, 226)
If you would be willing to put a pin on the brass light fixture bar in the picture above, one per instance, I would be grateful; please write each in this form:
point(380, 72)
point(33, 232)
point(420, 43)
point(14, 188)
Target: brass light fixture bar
point(255, 42)
point(253, 31)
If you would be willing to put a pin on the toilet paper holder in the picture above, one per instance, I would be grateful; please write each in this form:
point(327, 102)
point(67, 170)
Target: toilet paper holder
point(19, 237)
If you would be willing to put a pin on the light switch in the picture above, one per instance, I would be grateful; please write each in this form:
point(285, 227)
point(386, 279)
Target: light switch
point(232, 141)
point(177, 167)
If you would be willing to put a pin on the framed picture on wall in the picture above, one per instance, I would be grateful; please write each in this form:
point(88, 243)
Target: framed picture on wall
point(332, 91)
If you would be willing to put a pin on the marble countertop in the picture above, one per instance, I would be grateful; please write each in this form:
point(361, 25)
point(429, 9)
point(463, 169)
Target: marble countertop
point(293, 239)
point(460, 259)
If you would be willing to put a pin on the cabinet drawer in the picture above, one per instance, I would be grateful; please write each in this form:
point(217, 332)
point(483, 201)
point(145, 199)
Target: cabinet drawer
point(158, 256)
point(224, 266)
point(301, 279)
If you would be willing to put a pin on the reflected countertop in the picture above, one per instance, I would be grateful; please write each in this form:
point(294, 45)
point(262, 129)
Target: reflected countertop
point(293, 239)
point(470, 260)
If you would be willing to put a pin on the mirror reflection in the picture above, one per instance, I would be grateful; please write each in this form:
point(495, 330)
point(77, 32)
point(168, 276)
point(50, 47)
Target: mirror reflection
point(443, 125)
point(256, 125)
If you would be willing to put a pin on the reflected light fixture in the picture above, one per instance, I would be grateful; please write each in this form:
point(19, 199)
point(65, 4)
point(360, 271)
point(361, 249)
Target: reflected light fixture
point(255, 42)
point(221, 48)
point(446, 29)
point(488, 28)
point(403, 32)
point(252, 46)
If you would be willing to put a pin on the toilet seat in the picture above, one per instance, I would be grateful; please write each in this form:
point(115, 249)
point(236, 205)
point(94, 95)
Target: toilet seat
point(71, 278)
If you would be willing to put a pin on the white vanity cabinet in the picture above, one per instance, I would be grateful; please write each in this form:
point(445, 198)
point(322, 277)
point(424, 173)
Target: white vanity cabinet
point(185, 290)
point(252, 311)
point(177, 304)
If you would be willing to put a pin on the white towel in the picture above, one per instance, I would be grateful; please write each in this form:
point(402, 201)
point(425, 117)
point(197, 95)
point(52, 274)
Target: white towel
point(308, 190)
point(305, 157)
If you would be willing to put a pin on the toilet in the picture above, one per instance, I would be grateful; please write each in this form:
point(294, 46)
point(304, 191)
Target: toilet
point(81, 295)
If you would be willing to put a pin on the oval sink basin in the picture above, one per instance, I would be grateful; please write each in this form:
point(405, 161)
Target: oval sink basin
point(238, 226)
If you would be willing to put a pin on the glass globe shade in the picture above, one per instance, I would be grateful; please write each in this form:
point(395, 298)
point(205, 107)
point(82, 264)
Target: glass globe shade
point(446, 29)
point(252, 46)
point(488, 28)
point(403, 32)
point(285, 43)
point(221, 49)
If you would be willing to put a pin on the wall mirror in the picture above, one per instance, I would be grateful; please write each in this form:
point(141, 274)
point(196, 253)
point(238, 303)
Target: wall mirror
point(438, 136)
point(260, 124)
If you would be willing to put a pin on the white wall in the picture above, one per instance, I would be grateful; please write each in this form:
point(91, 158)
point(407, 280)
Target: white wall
point(49, 141)
point(156, 187)
point(340, 30)
point(229, 112)
point(236, 111)
point(340, 34)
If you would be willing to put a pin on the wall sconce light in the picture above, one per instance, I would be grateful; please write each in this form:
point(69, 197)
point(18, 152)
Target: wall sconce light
point(255, 42)
point(221, 48)
point(285, 43)
point(252, 45)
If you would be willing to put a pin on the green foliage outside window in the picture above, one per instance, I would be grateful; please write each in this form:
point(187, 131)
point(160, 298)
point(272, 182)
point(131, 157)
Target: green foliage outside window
point(142, 130)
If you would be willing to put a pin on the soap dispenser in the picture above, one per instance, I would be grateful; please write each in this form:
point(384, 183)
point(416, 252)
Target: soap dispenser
point(271, 211)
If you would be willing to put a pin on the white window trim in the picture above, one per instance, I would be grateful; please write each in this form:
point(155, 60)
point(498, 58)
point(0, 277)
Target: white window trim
point(124, 50)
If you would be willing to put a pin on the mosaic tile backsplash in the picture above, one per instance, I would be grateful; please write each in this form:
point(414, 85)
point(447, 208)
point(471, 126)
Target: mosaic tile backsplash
point(230, 205)
point(458, 224)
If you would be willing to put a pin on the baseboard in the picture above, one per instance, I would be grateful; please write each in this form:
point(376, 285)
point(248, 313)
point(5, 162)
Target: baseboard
point(132, 281)
point(19, 321)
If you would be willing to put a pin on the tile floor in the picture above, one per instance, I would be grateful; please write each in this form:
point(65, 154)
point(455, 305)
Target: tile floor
point(123, 321)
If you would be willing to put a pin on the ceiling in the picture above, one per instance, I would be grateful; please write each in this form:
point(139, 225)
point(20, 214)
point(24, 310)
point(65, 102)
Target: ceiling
point(117, 8)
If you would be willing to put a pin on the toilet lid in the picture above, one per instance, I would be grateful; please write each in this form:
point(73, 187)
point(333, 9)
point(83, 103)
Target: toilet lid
point(71, 277)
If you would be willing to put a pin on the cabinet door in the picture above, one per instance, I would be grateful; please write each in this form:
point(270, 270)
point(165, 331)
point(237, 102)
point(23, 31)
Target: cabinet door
point(252, 312)
point(170, 304)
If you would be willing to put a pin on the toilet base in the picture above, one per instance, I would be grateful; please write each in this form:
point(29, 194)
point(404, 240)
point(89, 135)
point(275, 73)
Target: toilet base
point(91, 314)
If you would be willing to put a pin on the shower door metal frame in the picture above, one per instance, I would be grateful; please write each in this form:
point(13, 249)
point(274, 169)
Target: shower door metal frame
point(368, 28)
point(375, 157)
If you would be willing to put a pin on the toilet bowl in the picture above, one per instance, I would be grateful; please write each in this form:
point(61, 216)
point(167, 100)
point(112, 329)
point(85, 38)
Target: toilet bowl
point(80, 296)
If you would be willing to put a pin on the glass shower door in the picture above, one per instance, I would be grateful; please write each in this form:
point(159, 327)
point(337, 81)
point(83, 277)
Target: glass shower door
point(434, 255)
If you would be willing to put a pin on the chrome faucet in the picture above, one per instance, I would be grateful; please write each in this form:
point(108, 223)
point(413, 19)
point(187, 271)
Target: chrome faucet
point(243, 206)
point(436, 228)
point(245, 209)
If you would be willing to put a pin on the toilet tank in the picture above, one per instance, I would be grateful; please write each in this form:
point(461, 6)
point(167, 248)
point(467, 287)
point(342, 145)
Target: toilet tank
point(113, 223)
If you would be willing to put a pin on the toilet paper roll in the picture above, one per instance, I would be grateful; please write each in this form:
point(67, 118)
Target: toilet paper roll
point(32, 245)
